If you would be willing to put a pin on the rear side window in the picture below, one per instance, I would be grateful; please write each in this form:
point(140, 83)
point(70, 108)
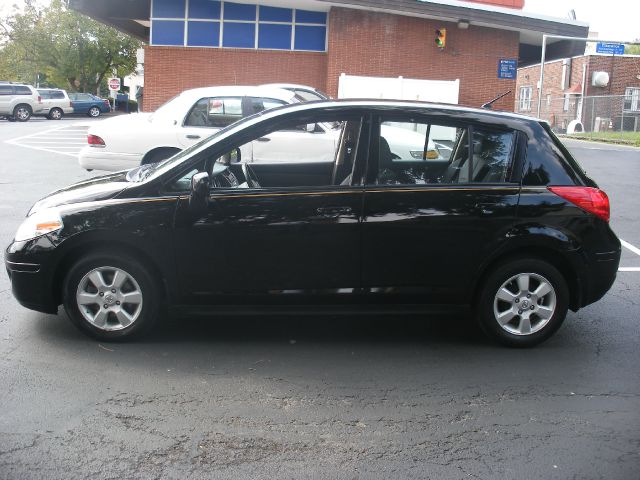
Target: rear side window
point(57, 94)
point(45, 94)
point(215, 112)
point(22, 90)
point(417, 152)
point(260, 104)
point(6, 90)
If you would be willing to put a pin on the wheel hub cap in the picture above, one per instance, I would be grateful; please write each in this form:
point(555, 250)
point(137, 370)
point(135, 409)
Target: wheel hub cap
point(109, 298)
point(524, 304)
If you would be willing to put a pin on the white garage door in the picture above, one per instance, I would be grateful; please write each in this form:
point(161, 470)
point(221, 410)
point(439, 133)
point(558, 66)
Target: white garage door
point(352, 86)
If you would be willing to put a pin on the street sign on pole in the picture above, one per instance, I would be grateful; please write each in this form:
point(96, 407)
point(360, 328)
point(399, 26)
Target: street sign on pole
point(610, 48)
point(114, 84)
point(507, 68)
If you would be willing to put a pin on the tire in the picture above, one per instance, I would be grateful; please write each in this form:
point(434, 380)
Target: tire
point(22, 113)
point(94, 112)
point(121, 284)
point(522, 302)
point(55, 114)
point(159, 155)
point(11, 118)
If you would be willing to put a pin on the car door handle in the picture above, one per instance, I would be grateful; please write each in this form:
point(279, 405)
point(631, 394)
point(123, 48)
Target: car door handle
point(489, 208)
point(193, 137)
point(334, 211)
point(263, 139)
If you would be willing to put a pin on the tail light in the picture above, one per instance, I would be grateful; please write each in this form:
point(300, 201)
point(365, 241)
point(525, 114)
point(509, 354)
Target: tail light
point(39, 99)
point(95, 140)
point(70, 103)
point(589, 199)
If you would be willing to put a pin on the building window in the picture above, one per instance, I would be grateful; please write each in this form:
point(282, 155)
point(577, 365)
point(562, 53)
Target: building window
point(566, 102)
point(213, 23)
point(525, 98)
point(632, 99)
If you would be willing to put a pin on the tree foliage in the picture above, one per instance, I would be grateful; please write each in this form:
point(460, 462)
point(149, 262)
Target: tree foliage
point(632, 49)
point(62, 47)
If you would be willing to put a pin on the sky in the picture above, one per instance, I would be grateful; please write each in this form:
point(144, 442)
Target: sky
point(612, 19)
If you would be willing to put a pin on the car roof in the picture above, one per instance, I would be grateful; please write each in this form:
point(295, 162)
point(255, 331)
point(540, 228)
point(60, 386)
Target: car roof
point(287, 86)
point(401, 106)
point(237, 90)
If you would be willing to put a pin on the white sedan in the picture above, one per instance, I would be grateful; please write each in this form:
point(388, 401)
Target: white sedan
point(125, 142)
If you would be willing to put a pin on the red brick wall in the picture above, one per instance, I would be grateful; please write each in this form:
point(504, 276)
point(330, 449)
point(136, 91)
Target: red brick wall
point(360, 43)
point(502, 3)
point(170, 70)
point(385, 45)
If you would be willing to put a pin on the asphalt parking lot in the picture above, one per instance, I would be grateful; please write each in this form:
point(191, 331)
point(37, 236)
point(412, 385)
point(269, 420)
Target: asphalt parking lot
point(316, 397)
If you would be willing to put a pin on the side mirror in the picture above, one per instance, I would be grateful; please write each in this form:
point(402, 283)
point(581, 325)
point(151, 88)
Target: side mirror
point(199, 198)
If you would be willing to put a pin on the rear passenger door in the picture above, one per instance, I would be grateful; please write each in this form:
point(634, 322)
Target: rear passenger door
point(435, 208)
point(207, 116)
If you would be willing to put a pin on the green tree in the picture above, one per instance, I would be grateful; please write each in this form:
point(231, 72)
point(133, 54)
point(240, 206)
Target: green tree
point(632, 49)
point(61, 47)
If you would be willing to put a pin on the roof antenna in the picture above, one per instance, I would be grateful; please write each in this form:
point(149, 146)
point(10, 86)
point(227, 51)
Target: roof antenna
point(490, 103)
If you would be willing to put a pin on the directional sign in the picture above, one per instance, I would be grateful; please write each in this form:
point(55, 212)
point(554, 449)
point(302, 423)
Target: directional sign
point(610, 48)
point(507, 68)
point(114, 84)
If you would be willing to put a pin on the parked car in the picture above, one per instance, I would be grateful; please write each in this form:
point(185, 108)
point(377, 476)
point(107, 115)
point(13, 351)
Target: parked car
point(89, 104)
point(139, 139)
point(509, 226)
point(18, 101)
point(56, 103)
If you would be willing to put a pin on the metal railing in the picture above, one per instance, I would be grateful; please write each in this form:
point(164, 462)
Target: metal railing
point(614, 117)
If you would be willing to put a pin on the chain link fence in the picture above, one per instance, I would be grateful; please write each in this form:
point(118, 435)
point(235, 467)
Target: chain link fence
point(606, 117)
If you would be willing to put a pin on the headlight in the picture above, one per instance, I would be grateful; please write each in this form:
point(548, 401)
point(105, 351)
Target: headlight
point(40, 223)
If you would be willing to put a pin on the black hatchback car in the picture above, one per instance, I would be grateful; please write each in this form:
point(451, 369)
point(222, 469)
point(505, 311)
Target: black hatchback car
point(489, 212)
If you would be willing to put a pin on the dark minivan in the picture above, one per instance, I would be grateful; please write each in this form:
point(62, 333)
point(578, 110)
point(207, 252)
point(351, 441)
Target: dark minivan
point(488, 212)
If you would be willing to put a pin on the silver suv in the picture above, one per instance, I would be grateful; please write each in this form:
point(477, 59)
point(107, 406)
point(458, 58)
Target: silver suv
point(56, 103)
point(19, 101)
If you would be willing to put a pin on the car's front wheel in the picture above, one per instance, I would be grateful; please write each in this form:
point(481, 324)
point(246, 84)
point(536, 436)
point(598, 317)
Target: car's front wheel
point(55, 114)
point(522, 302)
point(111, 296)
point(94, 112)
point(22, 113)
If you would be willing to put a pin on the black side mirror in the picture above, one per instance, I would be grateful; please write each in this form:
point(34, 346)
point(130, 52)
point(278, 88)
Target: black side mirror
point(199, 198)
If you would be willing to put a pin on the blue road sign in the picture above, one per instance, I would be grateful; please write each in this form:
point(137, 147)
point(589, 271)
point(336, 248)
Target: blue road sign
point(507, 68)
point(610, 48)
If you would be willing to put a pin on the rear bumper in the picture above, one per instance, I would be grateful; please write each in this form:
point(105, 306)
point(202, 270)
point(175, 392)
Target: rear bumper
point(95, 158)
point(599, 275)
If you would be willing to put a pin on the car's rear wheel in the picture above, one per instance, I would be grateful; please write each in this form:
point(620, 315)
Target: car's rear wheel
point(522, 302)
point(111, 296)
point(55, 114)
point(94, 112)
point(22, 113)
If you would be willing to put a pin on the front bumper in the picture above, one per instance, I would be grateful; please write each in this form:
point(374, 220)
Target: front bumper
point(31, 277)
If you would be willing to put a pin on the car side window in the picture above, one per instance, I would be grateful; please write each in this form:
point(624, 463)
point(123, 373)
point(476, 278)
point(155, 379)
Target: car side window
point(492, 155)
point(215, 112)
point(6, 90)
point(22, 90)
point(414, 151)
point(260, 104)
point(57, 95)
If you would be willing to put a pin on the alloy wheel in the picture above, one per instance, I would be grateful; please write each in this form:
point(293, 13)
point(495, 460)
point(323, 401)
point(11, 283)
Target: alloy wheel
point(524, 304)
point(109, 298)
point(94, 111)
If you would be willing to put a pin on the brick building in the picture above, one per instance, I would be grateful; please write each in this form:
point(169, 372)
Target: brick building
point(194, 43)
point(601, 91)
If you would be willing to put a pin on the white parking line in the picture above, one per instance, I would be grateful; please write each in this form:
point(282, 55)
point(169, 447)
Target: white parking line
point(627, 245)
point(629, 269)
point(64, 140)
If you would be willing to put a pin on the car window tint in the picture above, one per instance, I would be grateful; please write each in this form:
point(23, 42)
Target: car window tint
point(414, 152)
point(22, 90)
point(260, 104)
point(6, 90)
point(491, 155)
point(215, 112)
point(57, 94)
point(44, 94)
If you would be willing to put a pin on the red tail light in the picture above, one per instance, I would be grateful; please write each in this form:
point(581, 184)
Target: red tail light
point(589, 199)
point(95, 140)
point(39, 99)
